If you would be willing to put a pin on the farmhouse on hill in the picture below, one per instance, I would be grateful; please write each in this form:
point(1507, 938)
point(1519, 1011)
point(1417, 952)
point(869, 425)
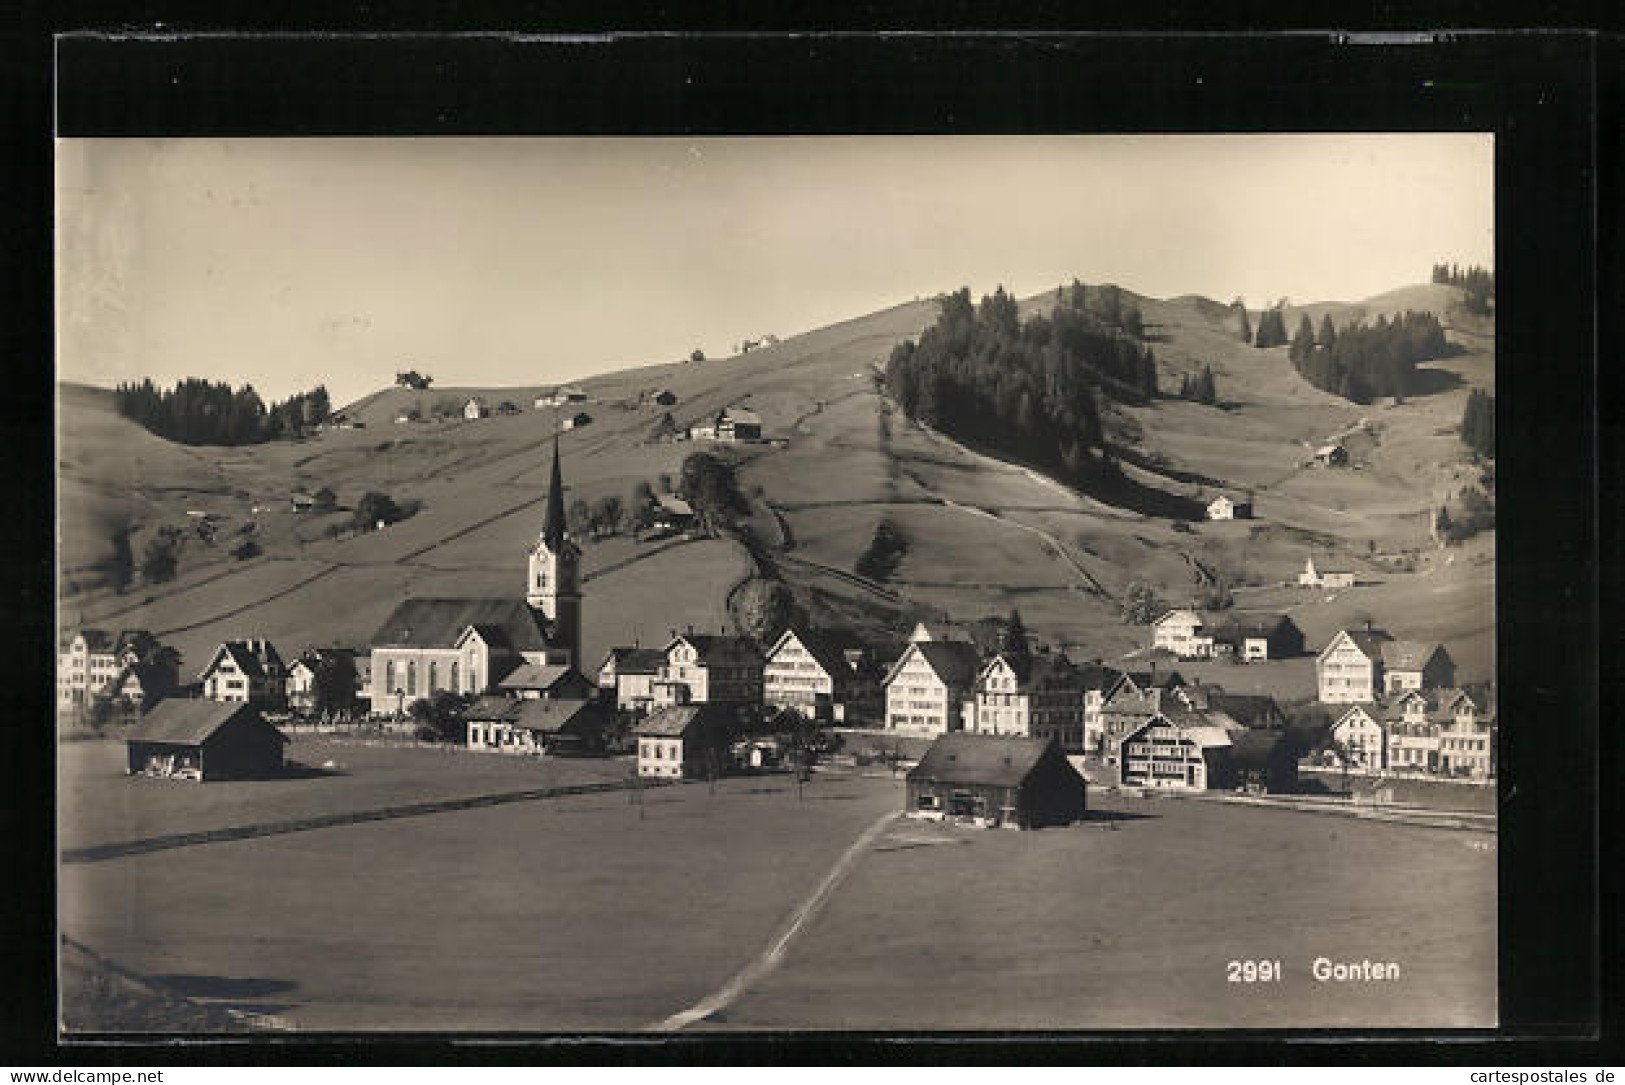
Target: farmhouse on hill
point(1011, 783)
point(204, 740)
point(1311, 577)
point(1410, 664)
point(1225, 507)
point(475, 408)
point(1181, 632)
point(1255, 637)
point(575, 421)
point(1332, 455)
point(666, 398)
point(559, 397)
point(468, 645)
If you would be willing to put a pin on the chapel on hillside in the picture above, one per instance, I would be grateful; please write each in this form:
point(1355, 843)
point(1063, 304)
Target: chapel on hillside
point(470, 646)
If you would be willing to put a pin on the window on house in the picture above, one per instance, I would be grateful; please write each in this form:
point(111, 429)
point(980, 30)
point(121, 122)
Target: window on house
point(389, 677)
point(456, 683)
point(412, 678)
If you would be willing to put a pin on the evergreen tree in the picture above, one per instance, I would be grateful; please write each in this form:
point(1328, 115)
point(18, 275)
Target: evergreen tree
point(1303, 341)
point(1014, 641)
point(1240, 307)
point(1328, 333)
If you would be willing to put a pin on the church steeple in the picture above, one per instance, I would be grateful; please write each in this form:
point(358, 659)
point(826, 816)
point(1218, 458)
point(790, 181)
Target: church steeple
point(553, 583)
point(553, 524)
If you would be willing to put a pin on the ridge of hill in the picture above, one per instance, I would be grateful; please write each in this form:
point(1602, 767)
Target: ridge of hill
point(984, 535)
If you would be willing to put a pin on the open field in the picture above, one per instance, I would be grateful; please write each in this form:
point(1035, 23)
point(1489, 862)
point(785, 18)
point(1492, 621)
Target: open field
point(98, 804)
point(1092, 928)
point(575, 913)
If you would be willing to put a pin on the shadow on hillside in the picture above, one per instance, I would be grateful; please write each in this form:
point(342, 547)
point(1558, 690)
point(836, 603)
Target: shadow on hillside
point(295, 770)
point(1427, 381)
point(1103, 816)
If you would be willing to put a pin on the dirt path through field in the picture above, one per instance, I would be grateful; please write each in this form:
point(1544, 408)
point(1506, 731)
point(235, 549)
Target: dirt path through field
point(770, 957)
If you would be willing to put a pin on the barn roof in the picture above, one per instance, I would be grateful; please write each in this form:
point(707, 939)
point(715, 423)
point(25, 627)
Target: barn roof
point(492, 706)
point(675, 720)
point(1255, 748)
point(960, 758)
point(715, 648)
point(1369, 641)
point(1407, 655)
point(438, 623)
point(192, 723)
point(635, 660)
point(1252, 709)
point(737, 415)
point(536, 676)
point(552, 716)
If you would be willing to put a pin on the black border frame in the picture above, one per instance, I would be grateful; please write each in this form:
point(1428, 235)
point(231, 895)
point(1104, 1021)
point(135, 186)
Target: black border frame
point(1541, 93)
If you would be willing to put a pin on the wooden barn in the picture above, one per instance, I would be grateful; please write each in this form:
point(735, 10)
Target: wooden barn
point(1011, 783)
point(204, 740)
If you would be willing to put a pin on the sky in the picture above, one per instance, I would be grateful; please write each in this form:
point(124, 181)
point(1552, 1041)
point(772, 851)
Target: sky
point(288, 263)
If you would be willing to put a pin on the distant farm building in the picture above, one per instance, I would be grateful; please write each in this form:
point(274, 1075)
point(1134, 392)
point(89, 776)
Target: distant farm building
point(1257, 637)
point(1011, 783)
point(302, 501)
point(1225, 507)
point(576, 421)
point(204, 740)
point(560, 397)
point(1313, 577)
point(672, 514)
point(475, 408)
point(1409, 664)
point(1181, 632)
point(1332, 455)
point(739, 424)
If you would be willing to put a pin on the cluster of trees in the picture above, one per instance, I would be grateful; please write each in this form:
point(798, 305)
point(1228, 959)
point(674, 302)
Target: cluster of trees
point(1361, 362)
point(1106, 304)
point(414, 380)
point(201, 412)
point(1239, 308)
point(1027, 389)
point(1474, 512)
point(375, 507)
point(1271, 327)
point(1200, 388)
point(883, 554)
point(1140, 604)
point(1478, 423)
point(1476, 282)
point(708, 483)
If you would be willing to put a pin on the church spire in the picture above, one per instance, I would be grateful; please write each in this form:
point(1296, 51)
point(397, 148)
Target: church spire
point(553, 525)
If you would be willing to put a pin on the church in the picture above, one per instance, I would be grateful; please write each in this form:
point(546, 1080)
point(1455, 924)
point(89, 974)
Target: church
point(468, 646)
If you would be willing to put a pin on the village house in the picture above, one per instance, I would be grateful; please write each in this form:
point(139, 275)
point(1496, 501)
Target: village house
point(1358, 741)
point(1011, 783)
point(1349, 669)
point(1181, 632)
point(705, 668)
point(140, 686)
point(575, 421)
point(1132, 700)
point(1177, 749)
point(927, 687)
point(1253, 638)
point(1467, 733)
point(1225, 507)
point(468, 645)
point(91, 660)
point(672, 514)
point(704, 430)
point(1409, 664)
point(1412, 733)
point(204, 740)
point(246, 671)
point(322, 679)
point(1311, 577)
point(821, 675)
point(475, 409)
point(626, 677)
point(536, 726)
point(679, 742)
point(1029, 697)
point(1096, 679)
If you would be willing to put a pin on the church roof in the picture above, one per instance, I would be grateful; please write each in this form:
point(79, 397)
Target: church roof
point(438, 623)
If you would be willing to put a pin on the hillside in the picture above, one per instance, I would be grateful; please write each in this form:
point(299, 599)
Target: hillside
point(984, 535)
